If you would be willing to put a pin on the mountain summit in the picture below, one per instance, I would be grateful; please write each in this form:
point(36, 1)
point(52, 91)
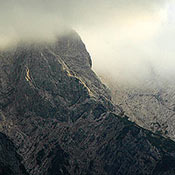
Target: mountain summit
point(57, 118)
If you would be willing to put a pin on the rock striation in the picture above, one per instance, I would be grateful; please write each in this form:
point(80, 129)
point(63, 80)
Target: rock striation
point(59, 119)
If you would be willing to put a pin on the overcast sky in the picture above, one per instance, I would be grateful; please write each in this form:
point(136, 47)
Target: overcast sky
point(126, 38)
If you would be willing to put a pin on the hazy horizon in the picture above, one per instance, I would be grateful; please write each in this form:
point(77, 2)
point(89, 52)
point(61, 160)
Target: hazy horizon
point(127, 40)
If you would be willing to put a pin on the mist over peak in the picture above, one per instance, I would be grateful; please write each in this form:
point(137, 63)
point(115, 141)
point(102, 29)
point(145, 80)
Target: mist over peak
point(124, 38)
point(57, 117)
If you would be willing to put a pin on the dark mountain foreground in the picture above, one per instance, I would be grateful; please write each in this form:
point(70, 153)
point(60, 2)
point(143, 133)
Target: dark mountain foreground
point(57, 118)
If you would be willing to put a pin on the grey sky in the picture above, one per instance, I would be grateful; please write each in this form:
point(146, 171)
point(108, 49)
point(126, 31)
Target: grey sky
point(126, 38)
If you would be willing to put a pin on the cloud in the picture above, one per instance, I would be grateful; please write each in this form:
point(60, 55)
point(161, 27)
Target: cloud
point(124, 37)
point(134, 41)
point(22, 18)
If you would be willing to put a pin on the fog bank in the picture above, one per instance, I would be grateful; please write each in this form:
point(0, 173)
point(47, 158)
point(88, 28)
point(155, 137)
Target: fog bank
point(128, 40)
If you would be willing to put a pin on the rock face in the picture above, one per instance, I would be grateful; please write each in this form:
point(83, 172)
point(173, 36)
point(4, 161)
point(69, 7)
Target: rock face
point(10, 161)
point(151, 105)
point(60, 118)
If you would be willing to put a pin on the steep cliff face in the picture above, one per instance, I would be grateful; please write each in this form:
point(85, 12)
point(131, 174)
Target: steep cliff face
point(61, 119)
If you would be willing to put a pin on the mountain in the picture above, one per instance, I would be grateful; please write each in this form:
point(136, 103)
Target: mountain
point(151, 105)
point(58, 118)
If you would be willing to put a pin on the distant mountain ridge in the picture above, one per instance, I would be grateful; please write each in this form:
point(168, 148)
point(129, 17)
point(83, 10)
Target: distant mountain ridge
point(61, 120)
point(151, 104)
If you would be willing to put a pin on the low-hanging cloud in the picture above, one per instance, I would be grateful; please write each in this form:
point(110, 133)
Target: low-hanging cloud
point(127, 39)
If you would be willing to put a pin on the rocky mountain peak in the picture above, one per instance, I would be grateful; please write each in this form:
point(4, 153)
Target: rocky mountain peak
point(61, 120)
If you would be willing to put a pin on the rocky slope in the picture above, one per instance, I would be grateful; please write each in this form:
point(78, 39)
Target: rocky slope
point(10, 161)
point(59, 117)
point(151, 105)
